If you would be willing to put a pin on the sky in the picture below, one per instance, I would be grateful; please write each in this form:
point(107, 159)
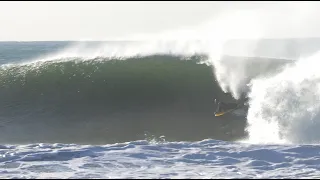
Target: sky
point(63, 20)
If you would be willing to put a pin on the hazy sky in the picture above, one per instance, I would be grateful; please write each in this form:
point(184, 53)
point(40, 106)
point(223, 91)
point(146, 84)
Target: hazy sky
point(23, 21)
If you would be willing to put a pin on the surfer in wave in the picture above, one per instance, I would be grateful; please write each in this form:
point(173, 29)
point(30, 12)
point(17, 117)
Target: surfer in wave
point(224, 108)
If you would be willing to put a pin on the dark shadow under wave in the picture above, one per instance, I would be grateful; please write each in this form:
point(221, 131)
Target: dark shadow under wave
point(106, 101)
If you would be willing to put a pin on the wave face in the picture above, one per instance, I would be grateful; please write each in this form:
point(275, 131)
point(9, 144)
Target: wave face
point(108, 100)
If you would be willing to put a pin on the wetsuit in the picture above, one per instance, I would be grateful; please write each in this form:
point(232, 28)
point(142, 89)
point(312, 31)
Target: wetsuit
point(223, 107)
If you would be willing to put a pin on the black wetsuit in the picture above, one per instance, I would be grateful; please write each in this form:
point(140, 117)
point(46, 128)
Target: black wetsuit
point(222, 107)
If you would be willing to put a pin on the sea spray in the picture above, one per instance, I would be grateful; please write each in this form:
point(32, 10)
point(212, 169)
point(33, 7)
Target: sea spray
point(285, 107)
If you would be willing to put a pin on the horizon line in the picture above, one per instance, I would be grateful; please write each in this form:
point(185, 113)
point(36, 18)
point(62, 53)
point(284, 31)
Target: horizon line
point(122, 40)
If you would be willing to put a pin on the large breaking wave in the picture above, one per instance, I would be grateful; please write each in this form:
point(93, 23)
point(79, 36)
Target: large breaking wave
point(105, 100)
point(121, 93)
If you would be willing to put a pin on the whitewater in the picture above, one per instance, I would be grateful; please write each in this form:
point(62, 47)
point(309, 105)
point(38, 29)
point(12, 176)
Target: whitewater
point(144, 107)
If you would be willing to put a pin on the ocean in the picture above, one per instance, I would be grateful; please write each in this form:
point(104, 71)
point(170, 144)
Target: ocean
point(146, 110)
